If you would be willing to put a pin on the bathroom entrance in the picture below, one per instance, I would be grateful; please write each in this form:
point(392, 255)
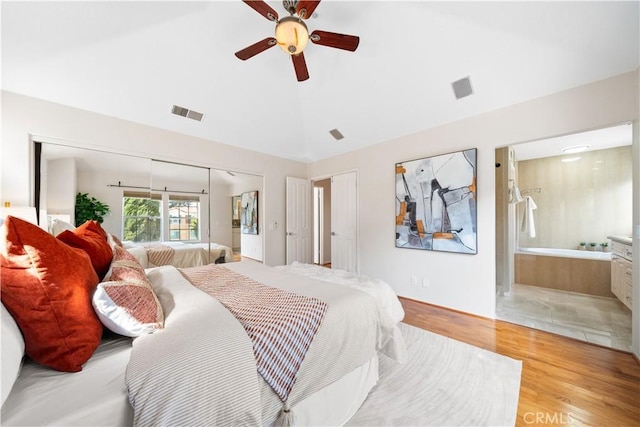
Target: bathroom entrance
point(558, 204)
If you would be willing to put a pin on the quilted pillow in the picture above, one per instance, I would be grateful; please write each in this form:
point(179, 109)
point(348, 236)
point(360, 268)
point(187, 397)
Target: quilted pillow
point(125, 301)
point(47, 287)
point(91, 238)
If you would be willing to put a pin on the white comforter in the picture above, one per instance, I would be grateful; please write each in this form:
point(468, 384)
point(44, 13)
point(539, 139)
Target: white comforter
point(381, 291)
point(187, 374)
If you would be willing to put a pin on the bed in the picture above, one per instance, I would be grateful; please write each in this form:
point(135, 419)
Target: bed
point(179, 254)
point(154, 254)
point(201, 365)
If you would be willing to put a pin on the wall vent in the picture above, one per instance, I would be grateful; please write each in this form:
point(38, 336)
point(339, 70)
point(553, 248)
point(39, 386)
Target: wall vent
point(336, 134)
point(462, 88)
point(185, 112)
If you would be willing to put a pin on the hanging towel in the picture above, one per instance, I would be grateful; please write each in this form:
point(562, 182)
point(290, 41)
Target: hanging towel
point(528, 226)
point(514, 195)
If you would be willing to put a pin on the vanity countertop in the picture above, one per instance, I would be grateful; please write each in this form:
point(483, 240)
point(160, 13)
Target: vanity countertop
point(621, 239)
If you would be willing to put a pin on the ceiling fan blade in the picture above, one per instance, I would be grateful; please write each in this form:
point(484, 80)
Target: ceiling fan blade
point(339, 41)
point(263, 9)
point(256, 48)
point(300, 65)
point(305, 8)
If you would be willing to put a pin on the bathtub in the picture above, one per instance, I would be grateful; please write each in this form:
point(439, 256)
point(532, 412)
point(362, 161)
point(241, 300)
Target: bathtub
point(567, 253)
point(584, 272)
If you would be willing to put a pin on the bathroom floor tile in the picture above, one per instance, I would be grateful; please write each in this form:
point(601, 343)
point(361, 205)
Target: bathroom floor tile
point(599, 320)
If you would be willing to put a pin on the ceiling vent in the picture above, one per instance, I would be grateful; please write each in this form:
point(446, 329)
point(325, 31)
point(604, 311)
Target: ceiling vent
point(185, 112)
point(336, 134)
point(462, 88)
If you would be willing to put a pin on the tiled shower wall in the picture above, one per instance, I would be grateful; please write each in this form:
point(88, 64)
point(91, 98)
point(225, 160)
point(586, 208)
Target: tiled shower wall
point(580, 201)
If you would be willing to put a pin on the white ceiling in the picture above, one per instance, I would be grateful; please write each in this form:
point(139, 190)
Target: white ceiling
point(598, 139)
point(135, 60)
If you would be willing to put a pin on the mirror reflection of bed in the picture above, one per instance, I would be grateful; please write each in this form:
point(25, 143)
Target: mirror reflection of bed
point(162, 211)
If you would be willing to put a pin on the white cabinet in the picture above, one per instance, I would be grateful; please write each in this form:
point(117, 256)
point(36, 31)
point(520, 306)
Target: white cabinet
point(621, 268)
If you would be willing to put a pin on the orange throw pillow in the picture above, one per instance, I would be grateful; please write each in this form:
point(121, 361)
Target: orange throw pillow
point(47, 287)
point(91, 238)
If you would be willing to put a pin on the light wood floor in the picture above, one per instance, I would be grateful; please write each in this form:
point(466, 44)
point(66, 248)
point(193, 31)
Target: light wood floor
point(564, 381)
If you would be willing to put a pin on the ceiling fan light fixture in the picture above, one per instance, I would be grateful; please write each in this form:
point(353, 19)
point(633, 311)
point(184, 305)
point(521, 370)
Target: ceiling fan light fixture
point(292, 35)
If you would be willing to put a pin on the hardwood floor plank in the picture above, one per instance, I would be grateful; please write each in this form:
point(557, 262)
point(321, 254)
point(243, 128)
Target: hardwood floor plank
point(564, 381)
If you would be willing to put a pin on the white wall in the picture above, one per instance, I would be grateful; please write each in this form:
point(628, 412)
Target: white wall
point(466, 282)
point(221, 214)
point(251, 245)
point(23, 117)
point(60, 187)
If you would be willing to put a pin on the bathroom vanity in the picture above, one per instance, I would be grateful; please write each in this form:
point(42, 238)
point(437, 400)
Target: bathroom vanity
point(621, 267)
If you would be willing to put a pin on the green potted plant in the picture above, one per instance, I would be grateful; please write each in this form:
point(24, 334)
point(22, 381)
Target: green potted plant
point(88, 207)
point(582, 246)
point(592, 246)
point(604, 246)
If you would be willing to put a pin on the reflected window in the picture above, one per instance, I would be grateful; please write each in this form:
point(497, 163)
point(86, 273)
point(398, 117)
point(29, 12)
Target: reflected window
point(184, 218)
point(141, 217)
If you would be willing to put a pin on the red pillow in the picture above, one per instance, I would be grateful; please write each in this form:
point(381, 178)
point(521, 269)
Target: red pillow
point(47, 287)
point(91, 238)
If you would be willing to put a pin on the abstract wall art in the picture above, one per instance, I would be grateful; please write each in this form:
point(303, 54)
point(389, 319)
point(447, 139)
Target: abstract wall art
point(436, 203)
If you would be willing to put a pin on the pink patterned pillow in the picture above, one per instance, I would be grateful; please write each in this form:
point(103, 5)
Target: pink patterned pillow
point(125, 302)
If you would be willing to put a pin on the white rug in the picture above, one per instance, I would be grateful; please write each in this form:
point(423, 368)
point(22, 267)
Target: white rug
point(444, 383)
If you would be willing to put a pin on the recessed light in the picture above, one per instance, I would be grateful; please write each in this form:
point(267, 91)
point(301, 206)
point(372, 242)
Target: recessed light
point(575, 149)
point(570, 159)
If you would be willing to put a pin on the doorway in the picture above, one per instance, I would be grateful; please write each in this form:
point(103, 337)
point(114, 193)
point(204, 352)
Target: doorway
point(322, 222)
point(551, 196)
point(334, 226)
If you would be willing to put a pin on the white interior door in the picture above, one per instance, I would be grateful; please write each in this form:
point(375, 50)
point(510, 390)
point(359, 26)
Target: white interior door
point(344, 222)
point(299, 221)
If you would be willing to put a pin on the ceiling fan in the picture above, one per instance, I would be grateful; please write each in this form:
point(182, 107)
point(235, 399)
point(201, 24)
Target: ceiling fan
point(292, 34)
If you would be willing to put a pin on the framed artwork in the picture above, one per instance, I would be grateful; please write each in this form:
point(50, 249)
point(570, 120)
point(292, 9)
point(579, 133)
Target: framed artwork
point(236, 210)
point(436, 205)
point(249, 213)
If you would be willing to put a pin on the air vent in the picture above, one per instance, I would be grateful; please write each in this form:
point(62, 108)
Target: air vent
point(179, 111)
point(185, 112)
point(462, 88)
point(336, 134)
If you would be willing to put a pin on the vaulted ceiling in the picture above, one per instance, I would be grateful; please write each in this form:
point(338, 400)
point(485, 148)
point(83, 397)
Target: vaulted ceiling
point(135, 60)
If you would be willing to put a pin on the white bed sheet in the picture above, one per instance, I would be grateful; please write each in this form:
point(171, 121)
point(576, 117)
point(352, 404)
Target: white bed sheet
point(95, 396)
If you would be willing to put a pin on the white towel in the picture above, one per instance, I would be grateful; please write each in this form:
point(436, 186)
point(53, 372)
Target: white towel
point(514, 195)
point(528, 226)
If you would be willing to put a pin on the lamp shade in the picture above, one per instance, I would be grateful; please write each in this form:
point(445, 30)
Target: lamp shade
point(292, 35)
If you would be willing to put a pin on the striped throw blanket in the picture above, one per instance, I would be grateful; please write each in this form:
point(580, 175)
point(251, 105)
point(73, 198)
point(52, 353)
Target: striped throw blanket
point(280, 324)
point(159, 254)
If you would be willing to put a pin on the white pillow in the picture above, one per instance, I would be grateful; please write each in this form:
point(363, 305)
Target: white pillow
point(58, 226)
point(11, 353)
point(140, 254)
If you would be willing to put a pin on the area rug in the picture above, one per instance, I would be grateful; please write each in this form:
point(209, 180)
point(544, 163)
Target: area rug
point(444, 383)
